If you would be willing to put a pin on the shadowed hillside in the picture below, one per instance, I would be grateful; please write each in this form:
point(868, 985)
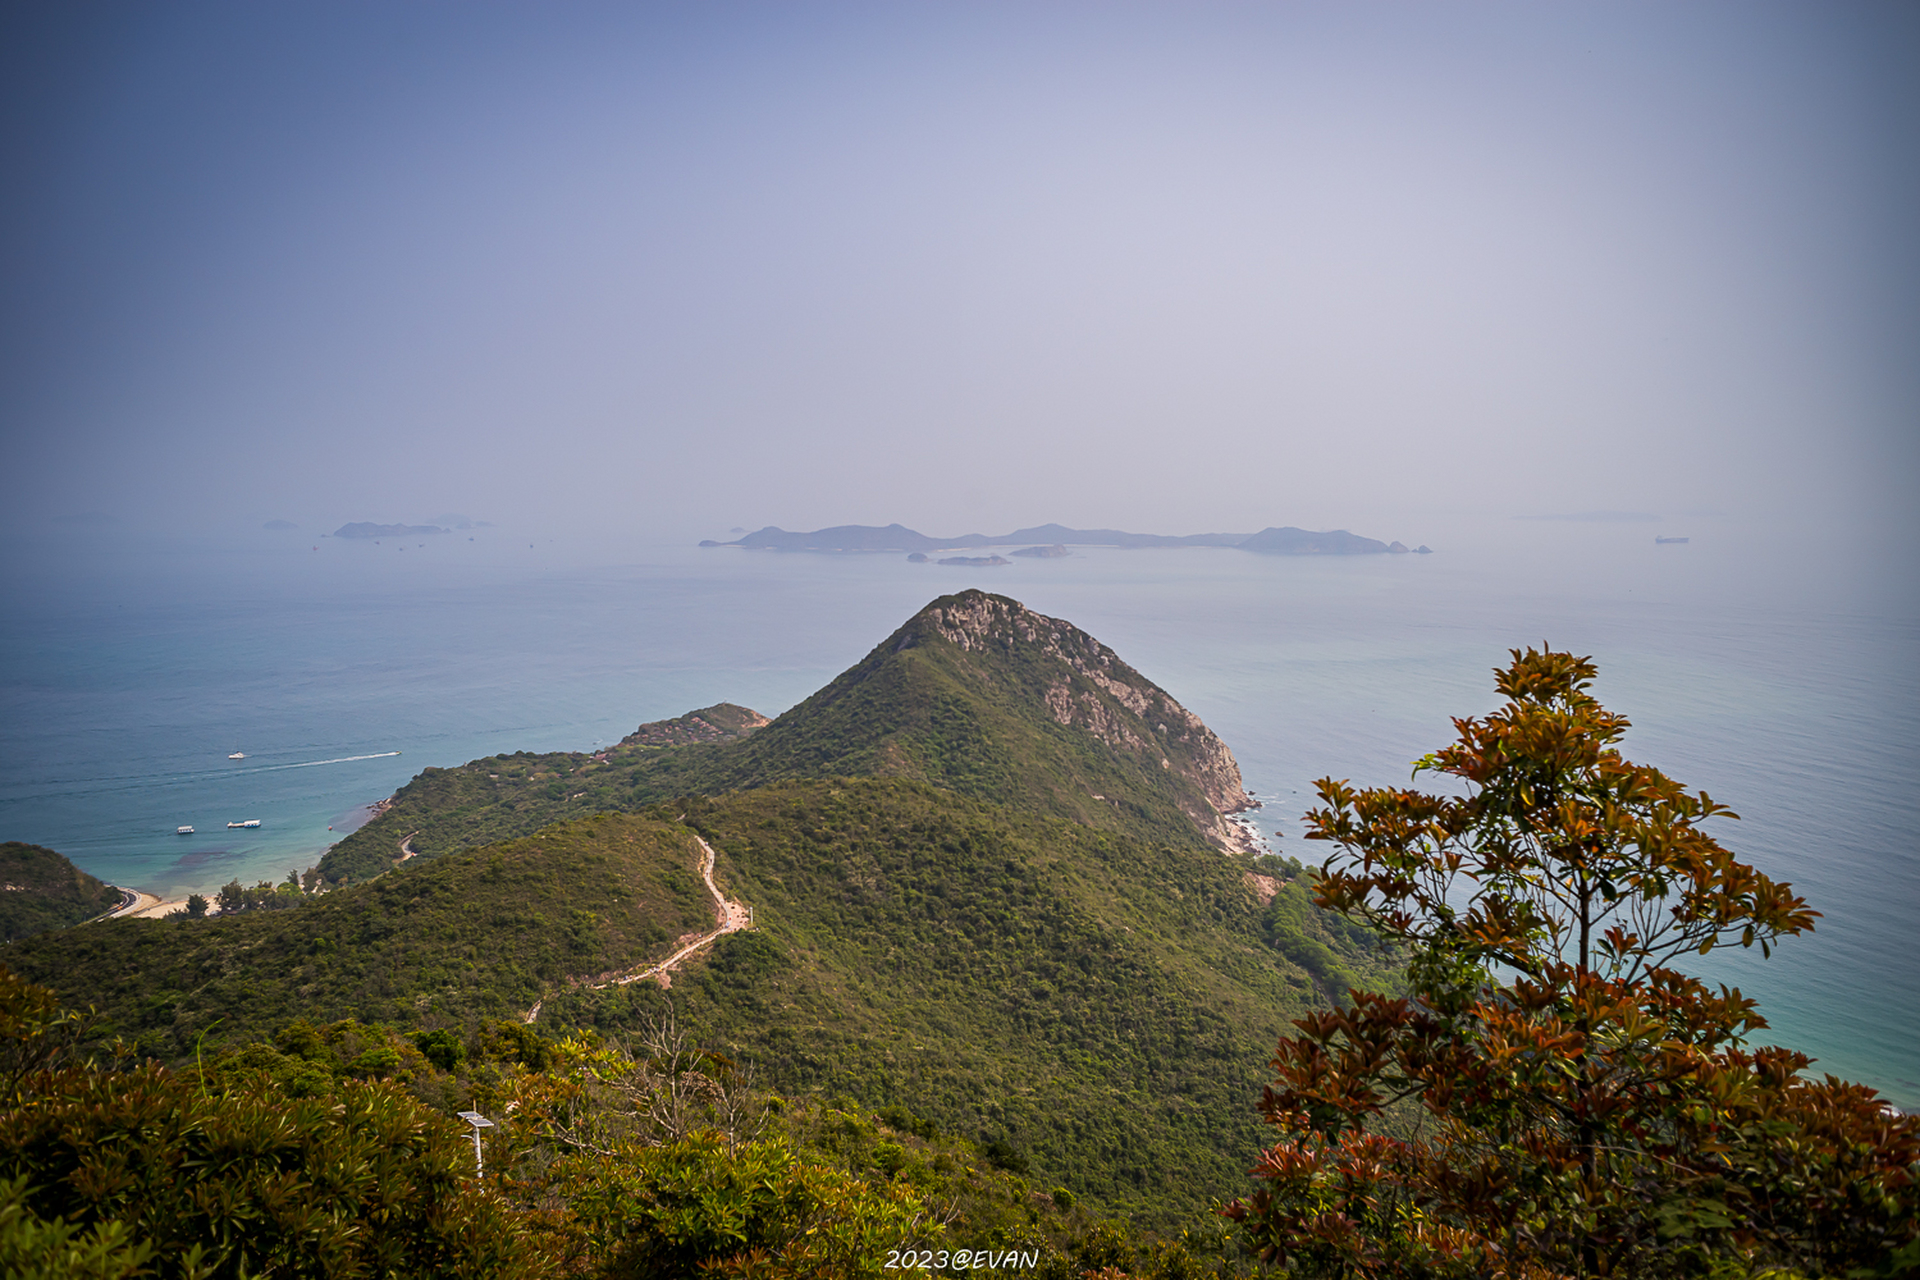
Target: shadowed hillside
point(41, 890)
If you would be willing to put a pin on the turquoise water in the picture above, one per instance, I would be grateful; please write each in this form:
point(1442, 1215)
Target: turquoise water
point(129, 674)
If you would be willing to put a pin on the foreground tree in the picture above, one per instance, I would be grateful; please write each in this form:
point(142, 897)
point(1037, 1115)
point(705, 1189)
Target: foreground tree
point(1552, 1097)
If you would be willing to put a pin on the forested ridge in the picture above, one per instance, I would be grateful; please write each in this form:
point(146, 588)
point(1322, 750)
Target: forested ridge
point(1099, 1007)
point(41, 890)
point(436, 943)
point(1001, 705)
point(1009, 985)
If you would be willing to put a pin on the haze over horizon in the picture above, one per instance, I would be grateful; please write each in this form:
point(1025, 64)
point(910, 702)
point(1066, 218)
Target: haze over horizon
point(665, 270)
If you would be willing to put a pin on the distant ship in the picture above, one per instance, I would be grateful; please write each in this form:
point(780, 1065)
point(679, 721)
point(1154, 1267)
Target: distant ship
point(1660, 539)
point(183, 831)
point(250, 822)
point(241, 755)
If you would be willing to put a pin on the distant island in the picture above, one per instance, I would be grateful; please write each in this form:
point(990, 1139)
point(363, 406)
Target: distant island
point(1052, 540)
point(368, 529)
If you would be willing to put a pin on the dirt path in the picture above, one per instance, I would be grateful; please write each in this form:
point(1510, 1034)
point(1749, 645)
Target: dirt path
point(732, 916)
point(406, 846)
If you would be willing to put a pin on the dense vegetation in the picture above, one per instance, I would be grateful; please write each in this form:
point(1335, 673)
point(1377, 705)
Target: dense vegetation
point(722, 722)
point(1587, 1108)
point(117, 1168)
point(1092, 1007)
point(998, 988)
point(40, 890)
point(972, 720)
point(443, 811)
point(981, 716)
point(328, 1152)
point(1091, 1004)
point(435, 943)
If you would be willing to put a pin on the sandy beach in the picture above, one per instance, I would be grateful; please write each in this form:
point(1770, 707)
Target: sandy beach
point(150, 906)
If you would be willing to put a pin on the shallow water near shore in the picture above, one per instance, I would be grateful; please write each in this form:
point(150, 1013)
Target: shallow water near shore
point(1788, 693)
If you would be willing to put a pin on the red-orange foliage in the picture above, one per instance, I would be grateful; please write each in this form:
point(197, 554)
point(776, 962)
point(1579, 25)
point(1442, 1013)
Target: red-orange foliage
point(1552, 1098)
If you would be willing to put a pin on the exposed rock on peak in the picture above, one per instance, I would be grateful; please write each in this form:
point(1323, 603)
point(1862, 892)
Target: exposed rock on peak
point(1026, 660)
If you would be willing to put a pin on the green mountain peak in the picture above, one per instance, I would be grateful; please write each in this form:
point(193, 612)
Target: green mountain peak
point(980, 694)
point(976, 693)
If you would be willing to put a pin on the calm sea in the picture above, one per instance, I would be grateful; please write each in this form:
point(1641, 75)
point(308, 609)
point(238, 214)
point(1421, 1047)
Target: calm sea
point(128, 675)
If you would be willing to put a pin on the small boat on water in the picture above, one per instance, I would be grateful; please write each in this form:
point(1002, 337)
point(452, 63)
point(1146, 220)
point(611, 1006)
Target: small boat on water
point(1659, 539)
point(183, 831)
point(250, 822)
point(238, 755)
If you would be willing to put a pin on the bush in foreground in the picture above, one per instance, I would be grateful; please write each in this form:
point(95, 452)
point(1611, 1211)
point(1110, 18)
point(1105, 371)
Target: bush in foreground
point(1580, 1106)
point(113, 1165)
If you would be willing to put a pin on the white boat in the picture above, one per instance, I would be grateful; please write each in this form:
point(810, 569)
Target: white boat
point(250, 822)
point(183, 831)
point(238, 755)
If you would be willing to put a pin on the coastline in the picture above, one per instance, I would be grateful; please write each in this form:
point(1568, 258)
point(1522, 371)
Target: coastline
point(142, 905)
point(357, 817)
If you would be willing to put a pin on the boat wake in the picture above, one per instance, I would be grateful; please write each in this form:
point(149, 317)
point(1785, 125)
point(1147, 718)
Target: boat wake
point(308, 764)
point(150, 781)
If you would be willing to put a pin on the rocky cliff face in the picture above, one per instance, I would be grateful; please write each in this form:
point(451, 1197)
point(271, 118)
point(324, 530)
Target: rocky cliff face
point(1082, 684)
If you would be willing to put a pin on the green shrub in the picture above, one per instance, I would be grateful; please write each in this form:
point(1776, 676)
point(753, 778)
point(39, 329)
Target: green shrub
point(442, 1048)
point(678, 1210)
point(31, 1248)
point(239, 1180)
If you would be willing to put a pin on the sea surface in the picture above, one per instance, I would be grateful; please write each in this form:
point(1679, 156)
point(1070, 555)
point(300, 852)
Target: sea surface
point(1785, 687)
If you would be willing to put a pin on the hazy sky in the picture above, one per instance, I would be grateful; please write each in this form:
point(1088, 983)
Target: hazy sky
point(673, 268)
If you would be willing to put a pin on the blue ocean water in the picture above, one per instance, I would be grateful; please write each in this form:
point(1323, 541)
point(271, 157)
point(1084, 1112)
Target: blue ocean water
point(129, 674)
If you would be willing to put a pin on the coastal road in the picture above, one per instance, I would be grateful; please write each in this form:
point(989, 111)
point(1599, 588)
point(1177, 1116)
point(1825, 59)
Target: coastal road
point(141, 903)
point(732, 916)
point(131, 901)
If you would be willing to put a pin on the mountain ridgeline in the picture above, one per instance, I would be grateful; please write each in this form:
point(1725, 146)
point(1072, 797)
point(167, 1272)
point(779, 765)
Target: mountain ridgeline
point(993, 884)
point(976, 693)
point(981, 695)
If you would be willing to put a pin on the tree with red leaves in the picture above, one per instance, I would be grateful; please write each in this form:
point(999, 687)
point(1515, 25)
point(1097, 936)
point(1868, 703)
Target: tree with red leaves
point(1552, 1097)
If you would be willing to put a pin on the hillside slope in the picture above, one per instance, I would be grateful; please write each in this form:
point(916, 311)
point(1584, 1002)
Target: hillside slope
point(434, 943)
point(41, 890)
point(1097, 1009)
point(498, 797)
point(975, 693)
